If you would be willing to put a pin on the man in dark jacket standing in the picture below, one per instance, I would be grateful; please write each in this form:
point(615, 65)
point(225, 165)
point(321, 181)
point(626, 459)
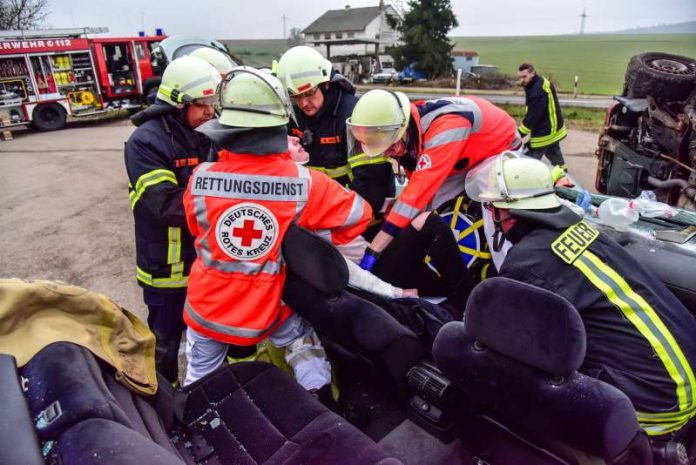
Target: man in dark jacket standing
point(640, 338)
point(543, 123)
point(325, 100)
point(160, 156)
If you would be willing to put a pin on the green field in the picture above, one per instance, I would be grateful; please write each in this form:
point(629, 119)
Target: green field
point(598, 59)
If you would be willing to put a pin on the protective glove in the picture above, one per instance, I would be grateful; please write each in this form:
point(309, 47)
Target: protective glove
point(584, 200)
point(369, 259)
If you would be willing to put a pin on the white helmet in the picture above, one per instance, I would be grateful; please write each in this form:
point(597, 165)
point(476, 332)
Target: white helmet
point(220, 61)
point(254, 99)
point(187, 80)
point(510, 181)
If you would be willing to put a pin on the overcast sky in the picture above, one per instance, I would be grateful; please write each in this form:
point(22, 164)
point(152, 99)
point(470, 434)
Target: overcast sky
point(262, 19)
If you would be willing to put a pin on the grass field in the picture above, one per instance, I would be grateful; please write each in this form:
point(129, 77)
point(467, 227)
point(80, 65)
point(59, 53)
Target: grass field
point(598, 59)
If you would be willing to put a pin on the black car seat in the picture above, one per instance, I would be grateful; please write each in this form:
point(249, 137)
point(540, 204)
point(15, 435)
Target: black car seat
point(516, 354)
point(247, 413)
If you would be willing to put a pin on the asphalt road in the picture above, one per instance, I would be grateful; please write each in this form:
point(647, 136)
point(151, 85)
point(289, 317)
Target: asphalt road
point(65, 213)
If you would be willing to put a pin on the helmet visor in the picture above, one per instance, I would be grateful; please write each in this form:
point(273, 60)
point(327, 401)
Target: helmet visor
point(485, 181)
point(372, 140)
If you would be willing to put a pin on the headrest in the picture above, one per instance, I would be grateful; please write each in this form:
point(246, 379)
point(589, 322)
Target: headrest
point(315, 260)
point(526, 323)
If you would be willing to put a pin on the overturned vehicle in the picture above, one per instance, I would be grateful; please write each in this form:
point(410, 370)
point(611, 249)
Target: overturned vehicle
point(649, 138)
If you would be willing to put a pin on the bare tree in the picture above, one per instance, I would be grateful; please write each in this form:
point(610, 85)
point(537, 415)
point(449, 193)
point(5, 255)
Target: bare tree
point(295, 37)
point(22, 14)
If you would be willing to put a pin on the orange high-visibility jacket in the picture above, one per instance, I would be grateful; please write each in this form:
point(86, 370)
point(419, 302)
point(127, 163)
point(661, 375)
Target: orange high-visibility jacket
point(455, 133)
point(239, 210)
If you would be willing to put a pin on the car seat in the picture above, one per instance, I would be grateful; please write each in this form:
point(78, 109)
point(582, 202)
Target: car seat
point(246, 413)
point(516, 354)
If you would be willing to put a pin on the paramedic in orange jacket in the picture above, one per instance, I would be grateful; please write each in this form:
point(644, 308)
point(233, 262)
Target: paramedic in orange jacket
point(239, 209)
point(435, 141)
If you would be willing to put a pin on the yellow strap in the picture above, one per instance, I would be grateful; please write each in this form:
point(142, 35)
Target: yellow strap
point(476, 253)
point(470, 229)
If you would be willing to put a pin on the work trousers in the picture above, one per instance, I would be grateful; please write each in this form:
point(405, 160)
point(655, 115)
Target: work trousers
point(303, 353)
point(552, 152)
point(166, 319)
point(402, 263)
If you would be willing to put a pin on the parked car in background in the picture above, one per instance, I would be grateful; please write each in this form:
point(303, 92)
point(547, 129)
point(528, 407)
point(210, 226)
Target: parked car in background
point(649, 138)
point(387, 75)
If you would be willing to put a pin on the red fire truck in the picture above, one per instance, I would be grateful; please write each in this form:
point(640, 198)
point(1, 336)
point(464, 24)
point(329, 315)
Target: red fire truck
point(47, 75)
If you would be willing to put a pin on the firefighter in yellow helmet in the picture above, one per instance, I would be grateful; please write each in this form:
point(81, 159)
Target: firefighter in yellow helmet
point(640, 337)
point(160, 156)
point(323, 101)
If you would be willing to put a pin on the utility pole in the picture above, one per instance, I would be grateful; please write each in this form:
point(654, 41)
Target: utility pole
point(582, 21)
point(284, 18)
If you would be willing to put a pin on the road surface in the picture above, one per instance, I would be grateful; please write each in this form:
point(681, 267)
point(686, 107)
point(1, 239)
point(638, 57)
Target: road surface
point(65, 213)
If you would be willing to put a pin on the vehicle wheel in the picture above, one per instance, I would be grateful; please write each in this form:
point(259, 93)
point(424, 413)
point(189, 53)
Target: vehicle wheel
point(48, 117)
point(661, 75)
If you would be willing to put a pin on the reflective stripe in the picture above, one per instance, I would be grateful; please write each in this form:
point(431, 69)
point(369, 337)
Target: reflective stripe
point(224, 329)
point(249, 186)
point(303, 173)
point(457, 105)
point(174, 248)
point(446, 137)
point(543, 141)
point(171, 282)
point(302, 74)
point(553, 117)
point(334, 173)
point(524, 130)
point(149, 179)
point(405, 209)
point(363, 159)
point(356, 211)
point(647, 321)
point(195, 83)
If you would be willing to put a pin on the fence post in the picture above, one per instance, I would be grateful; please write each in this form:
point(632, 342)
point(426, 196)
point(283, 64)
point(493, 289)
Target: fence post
point(459, 81)
point(575, 88)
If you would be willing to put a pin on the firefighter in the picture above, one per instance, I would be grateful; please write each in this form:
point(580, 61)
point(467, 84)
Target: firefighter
point(239, 209)
point(640, 338)
point(435, 141)
point(160, 156)
point(543, 125)
point(323, 100)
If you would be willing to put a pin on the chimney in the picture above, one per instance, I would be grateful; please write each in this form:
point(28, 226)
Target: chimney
point(347, 7)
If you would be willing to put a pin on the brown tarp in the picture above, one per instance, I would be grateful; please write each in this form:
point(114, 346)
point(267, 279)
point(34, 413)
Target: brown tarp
point(34, 314)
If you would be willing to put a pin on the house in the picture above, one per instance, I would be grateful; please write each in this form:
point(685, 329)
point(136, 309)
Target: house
point(465, 59)
point(353, 31)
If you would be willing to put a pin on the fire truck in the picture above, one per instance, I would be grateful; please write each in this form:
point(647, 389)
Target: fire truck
point(47, 75)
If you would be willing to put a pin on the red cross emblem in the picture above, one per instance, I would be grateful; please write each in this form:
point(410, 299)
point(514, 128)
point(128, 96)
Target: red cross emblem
point(423, 162)
point(248, 233)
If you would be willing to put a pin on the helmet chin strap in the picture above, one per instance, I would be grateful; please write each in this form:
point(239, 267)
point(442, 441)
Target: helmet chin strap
point(498, 235)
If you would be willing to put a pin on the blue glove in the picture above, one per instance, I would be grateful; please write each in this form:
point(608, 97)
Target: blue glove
point(369, 259)
point(584, 200)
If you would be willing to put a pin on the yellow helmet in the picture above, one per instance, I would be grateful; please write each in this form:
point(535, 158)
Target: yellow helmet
point(253, 99)
point(379, 119)
point(187, 80)
point(511, 181)
point(302, 68)
point(220, 61)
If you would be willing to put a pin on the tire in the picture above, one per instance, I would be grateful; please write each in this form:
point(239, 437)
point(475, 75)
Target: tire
point(660, 75)
point(49, 117)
